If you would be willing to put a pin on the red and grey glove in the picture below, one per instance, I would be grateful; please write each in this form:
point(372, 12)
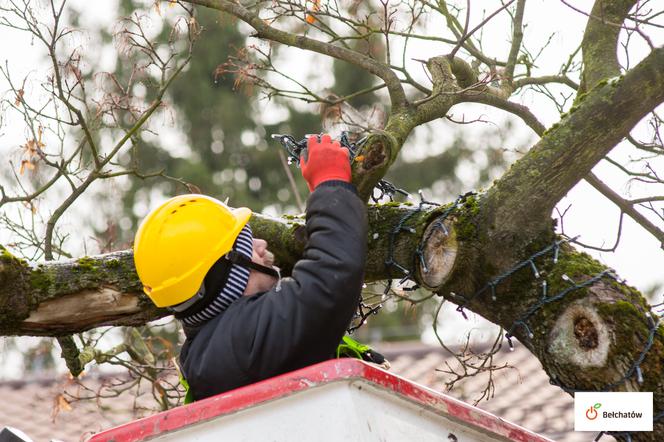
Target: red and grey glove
point(324, 160)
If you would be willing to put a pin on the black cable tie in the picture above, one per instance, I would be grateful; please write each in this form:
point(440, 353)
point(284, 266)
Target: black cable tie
point(460, 309)
point(411, 289)
point(509, 341)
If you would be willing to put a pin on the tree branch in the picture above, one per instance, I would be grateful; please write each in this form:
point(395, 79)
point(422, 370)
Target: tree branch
point(627, 206)
point(568, 151)
point(265, 31)
point(600, 41)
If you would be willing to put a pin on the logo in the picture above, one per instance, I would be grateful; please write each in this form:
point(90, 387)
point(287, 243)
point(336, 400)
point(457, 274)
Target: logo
point(613, 411)
point(591, 412)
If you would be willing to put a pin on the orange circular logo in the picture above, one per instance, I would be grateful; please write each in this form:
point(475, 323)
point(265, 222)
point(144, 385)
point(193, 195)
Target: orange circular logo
point(591, 413)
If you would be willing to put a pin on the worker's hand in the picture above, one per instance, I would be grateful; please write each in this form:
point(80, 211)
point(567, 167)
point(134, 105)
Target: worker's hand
point(324, 160)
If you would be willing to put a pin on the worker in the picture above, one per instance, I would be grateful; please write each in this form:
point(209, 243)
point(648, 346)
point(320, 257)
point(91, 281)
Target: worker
point(242, 322)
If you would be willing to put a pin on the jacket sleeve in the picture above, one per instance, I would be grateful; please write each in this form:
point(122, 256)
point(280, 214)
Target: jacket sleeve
point(304, 322)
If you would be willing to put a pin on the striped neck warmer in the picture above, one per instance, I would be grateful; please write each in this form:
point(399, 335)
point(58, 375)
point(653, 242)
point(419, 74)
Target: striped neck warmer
point(226, 291)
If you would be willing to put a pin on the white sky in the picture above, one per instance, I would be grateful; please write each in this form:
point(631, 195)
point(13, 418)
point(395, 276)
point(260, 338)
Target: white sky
point(639, 258)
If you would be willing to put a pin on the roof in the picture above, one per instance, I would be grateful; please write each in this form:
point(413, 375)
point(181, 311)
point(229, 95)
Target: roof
point(523, 395)
point(365, 398)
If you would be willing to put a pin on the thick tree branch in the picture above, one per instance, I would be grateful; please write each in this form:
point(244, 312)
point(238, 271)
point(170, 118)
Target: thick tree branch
point(568, 151)
point(58, 298)
point(600, 41)
point(265, 31)
point(48, 299)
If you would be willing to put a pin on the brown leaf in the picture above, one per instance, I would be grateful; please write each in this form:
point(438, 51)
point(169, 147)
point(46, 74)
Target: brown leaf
point(63, 404)
point(60, 403)
point(26, 164)
point(19, 97)
point(193, 188)
point(315, 8)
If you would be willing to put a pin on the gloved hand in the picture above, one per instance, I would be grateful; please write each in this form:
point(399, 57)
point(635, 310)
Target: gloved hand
point(324, 160)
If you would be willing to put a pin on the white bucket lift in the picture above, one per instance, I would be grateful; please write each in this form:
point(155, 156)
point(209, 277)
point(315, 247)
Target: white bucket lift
point(336, 400)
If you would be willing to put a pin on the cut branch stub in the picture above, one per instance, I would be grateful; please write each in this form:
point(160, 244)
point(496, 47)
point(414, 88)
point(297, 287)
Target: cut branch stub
point(580, 337)
point(373, 161)
point(439, 253)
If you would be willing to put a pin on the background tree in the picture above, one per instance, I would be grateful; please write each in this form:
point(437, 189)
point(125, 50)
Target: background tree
point(493, 252)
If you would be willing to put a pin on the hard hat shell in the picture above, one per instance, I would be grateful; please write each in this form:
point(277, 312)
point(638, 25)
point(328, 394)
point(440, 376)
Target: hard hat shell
point(178, 242)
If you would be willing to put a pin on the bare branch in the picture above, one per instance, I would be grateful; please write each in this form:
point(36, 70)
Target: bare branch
point(626, 206)
point(265, 31)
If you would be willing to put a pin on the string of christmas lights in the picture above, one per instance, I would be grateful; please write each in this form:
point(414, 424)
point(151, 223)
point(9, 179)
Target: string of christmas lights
point(365, 311)
point(528, 262)
point(545, 298)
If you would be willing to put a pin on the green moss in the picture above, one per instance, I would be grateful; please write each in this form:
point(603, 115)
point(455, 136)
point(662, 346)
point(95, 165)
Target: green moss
point(394, 204)
point(631, 332)
point(466, 221)
point(293, 217)
point(113, 264)
point(86, 263)
point(6, 257)
point(41, 280)
point(551, 129)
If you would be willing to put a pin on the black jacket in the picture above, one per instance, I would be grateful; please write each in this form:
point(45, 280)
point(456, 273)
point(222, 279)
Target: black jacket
point(272, 333)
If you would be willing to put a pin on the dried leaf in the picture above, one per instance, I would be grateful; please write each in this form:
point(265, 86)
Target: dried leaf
point(19, 97)
point(314, 8)
point(193, 188)
point(63, 404)
point(160, 389)
point(30, 205)
point(26, 164)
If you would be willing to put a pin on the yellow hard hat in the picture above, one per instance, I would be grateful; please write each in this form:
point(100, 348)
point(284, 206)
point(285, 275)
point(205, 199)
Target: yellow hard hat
point(178, 242)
